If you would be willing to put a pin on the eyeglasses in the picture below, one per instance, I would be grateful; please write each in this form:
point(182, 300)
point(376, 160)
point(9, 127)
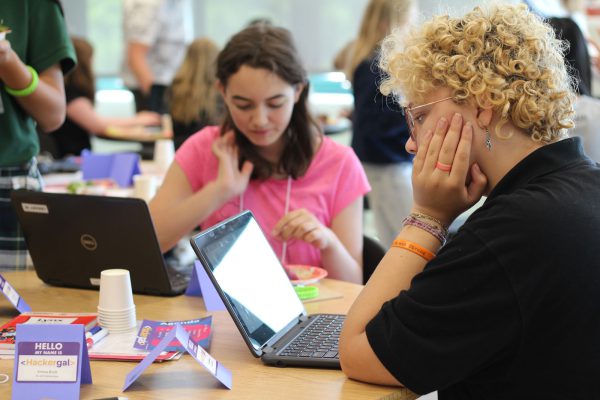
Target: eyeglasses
point(410, 121)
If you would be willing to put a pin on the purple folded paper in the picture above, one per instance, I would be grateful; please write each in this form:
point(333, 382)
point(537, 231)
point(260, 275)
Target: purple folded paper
point(201, 285)
point(51, 361)
point(121, 167)
point(193, 348)
point(12, 296)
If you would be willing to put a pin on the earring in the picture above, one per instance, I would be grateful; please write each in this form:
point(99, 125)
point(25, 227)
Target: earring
point(488, 139)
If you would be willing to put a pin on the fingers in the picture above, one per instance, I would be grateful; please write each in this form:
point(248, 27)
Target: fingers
point(421, 155)
point(450, 143)
point(435, 145)
point(298, 224)
point(462, 153)
point(247, 169)
point(478, 184)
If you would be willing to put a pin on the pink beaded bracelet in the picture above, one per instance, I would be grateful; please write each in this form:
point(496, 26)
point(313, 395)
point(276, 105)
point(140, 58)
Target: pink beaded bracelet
point(438, 232)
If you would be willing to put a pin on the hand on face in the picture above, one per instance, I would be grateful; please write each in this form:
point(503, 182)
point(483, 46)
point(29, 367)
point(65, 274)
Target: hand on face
point(230, 178)
point(444, 182)
point(303, 225)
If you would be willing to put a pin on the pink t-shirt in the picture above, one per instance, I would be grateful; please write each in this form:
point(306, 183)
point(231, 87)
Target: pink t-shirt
point(334, 179)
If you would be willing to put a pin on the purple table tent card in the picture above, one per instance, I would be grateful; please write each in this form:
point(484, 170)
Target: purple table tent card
point(51, 361)
point(121, 167)
point(217, 369)
point(201, 285)
point(12, 296)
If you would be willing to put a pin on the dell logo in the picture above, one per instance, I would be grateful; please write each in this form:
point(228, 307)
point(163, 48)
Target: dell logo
point(88, 242)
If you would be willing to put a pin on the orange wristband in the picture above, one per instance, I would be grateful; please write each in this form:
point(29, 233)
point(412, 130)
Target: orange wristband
point(414, 248)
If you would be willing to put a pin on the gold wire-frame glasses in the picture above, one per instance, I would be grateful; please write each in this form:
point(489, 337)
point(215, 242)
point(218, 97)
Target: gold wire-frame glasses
point(410, 121)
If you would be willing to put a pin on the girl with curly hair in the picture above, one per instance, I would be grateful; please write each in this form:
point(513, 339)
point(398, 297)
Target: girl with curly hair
point(509, 308)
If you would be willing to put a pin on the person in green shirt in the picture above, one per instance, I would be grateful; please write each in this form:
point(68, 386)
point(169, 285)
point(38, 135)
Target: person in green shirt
point(34, 56)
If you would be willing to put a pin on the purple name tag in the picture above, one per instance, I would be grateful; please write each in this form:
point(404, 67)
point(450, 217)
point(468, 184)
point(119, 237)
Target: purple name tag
point(51, 361)
point(217, 369)
point(201, 285)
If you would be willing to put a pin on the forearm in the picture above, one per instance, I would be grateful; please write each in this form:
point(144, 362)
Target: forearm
point(174, 221)
point(339, 263)
point(47, 102)
point(136, 56)
point(393, 274)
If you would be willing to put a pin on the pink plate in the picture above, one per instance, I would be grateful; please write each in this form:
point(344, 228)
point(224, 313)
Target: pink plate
point(304, 274)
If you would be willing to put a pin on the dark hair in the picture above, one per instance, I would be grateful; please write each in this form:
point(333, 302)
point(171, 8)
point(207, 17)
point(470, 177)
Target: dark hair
point(82, 76)
point(272, 48)
point(577, 58)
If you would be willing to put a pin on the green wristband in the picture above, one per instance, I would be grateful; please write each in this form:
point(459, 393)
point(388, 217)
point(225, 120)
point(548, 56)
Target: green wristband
point(35, 80)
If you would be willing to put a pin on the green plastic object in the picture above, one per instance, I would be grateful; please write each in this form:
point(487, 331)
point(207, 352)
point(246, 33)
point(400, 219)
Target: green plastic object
point(306, 292)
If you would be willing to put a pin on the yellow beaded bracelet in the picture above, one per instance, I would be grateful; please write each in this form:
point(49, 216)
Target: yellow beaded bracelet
point(35, 80)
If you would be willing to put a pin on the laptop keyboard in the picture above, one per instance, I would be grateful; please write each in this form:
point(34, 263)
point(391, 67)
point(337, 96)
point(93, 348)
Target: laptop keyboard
point(318, 340)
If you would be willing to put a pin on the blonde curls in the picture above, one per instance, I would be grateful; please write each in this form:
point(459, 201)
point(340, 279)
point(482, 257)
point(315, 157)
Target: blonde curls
point(502, 57)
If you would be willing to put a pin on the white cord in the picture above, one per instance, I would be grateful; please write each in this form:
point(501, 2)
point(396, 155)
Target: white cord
point(288, 194)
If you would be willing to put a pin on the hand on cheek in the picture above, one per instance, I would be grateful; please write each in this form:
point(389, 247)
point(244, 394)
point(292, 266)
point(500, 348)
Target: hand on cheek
point(441, 184)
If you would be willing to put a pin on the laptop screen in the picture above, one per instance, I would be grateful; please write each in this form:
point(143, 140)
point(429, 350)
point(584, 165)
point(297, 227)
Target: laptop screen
point(251, 277)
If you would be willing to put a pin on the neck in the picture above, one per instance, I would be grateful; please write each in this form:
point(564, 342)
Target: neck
point(504, 156)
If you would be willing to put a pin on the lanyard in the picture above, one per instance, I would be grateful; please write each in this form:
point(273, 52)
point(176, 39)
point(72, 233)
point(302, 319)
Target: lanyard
point(286, 210)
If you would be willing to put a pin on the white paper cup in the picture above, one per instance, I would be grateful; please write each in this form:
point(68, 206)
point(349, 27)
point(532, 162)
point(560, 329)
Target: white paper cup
point(144, 186)
point(164, 152)
point(115, 290)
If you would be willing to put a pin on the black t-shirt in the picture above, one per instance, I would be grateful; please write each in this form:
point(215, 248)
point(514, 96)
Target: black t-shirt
point(510, 307)
point(71, 138)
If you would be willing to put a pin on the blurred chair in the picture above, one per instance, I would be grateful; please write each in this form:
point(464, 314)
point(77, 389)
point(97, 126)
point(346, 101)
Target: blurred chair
point(373, 252)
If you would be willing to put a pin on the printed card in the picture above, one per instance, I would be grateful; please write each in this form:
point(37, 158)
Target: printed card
point(50, 359)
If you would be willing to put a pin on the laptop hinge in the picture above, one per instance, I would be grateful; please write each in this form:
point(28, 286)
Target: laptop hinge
point(268, 345)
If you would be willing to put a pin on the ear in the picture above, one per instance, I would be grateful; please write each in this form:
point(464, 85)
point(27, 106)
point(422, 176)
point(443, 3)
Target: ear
point(484, 117)
point(299, 88)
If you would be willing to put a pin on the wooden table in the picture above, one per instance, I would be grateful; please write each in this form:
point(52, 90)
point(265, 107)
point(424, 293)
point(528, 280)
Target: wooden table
point(186, 379)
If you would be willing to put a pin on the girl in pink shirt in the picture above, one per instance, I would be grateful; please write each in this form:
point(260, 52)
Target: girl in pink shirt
point(270, 157)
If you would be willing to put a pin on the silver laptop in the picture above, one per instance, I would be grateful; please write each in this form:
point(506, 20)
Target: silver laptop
point(260, 298)
point(72, 238)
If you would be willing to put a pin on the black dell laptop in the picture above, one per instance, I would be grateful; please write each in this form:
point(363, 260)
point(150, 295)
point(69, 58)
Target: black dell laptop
point(72, 238)
point(261, 300)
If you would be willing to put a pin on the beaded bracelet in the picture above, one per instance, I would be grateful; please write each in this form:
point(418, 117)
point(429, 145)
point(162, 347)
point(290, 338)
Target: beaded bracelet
point(414, 248)
point(35, 80)
point(439, 233)
point(422, 216)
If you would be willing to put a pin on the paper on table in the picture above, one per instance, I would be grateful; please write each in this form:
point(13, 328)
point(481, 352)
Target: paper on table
point(119, 346)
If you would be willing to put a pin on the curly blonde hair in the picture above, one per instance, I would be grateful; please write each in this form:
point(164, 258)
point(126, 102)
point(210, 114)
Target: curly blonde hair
point(503, 56)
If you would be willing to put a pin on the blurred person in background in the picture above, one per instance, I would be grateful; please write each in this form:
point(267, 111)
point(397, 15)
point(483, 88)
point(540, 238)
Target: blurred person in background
point(82, 119)
point(155, 42)
point(194, 101)
point(379, 131)
point(587, 108)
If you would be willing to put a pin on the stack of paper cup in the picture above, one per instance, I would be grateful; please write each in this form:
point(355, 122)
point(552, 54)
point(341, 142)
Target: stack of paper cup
point(116, 310)
point(164, 152)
